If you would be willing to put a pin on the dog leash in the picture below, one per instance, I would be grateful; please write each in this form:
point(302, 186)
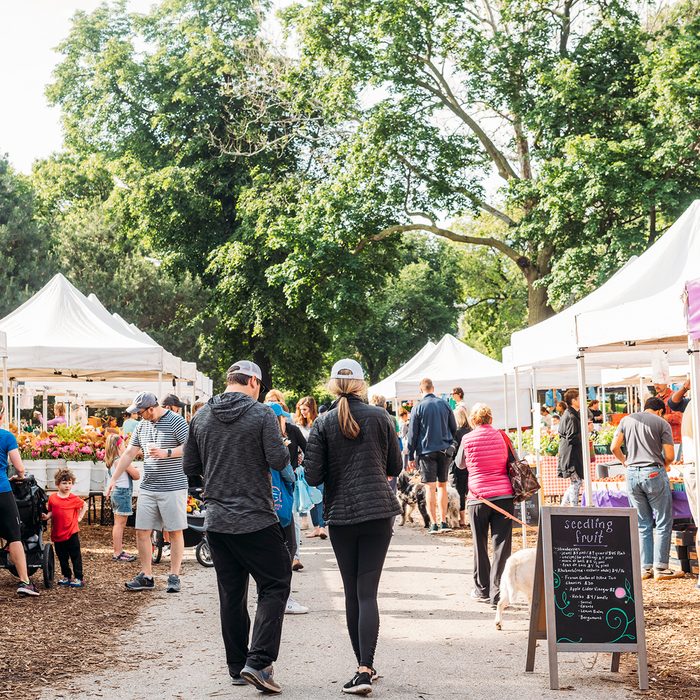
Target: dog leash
point(506, 513)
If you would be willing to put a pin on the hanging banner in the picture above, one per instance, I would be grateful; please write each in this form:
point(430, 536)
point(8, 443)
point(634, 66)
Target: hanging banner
point(693, 289)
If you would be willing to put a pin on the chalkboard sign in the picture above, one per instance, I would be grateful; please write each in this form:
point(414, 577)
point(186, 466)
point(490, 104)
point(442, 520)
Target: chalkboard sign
point(588, 594)
point(592, 572)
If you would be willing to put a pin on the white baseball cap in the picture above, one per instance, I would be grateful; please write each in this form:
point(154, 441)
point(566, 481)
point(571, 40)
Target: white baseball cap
point(350, 369)
point(250, 369)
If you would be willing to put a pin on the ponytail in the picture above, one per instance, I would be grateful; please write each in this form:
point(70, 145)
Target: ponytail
point(344, 388)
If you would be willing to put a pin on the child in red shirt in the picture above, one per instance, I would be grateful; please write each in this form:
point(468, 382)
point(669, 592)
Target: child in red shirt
point(66, 510)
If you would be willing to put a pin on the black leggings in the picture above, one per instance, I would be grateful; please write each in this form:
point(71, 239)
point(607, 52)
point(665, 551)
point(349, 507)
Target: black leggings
point(290, 539)
point(360, 550)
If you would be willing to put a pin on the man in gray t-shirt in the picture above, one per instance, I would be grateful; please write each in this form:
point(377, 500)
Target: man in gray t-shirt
point(648, 441)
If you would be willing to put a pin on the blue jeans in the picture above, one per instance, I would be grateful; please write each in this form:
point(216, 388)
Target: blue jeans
point(317, 512)
point(651, 496)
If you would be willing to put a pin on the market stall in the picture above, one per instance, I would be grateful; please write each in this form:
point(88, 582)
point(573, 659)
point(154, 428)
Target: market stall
point(453, 363)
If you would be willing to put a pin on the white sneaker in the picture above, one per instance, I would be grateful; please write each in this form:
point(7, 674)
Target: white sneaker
point(294, 608)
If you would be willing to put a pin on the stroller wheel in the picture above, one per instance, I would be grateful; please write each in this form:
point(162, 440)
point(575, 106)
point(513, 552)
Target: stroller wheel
point(48, 565)
point(203, 553)
point(156, 546)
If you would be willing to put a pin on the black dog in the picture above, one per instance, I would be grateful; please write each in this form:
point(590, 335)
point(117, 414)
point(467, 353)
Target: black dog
point(411, 494)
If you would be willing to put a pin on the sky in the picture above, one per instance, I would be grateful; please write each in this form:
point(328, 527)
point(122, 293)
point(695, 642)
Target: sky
point(29, 32)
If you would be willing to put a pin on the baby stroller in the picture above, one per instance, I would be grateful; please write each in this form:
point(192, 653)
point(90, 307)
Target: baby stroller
point(31, 504)
point(194, 536)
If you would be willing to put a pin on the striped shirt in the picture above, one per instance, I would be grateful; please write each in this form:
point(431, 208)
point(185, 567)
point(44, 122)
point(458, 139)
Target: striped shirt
point(169, 432)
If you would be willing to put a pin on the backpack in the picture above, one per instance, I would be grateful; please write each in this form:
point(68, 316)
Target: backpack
point(282, 497)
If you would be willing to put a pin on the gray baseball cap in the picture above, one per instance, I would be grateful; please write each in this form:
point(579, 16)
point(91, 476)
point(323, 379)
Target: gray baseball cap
point(143, 401)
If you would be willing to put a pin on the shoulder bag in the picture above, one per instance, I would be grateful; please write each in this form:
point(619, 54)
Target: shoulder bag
point(521, 476)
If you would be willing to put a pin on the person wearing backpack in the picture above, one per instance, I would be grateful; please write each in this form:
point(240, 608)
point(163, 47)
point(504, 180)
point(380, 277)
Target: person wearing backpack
point(234, 443)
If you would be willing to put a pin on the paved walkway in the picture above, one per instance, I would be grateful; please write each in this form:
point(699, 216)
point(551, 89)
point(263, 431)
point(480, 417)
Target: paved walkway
point(435, 642)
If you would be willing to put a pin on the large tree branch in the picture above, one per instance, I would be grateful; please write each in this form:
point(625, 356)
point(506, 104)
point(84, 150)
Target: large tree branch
point(484, 206)
point(489, 241)
point(449, 100)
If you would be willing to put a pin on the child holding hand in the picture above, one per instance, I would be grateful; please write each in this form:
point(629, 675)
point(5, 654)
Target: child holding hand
point(66, 510)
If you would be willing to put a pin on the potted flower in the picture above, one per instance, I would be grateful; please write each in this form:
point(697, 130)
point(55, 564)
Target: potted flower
point(603, 439)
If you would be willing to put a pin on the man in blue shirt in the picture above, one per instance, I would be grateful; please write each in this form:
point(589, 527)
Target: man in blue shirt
point(10, 525)
point(430, 435)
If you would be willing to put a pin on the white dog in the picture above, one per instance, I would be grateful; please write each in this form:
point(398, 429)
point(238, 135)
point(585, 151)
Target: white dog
point(452, 508)
point(518, 577)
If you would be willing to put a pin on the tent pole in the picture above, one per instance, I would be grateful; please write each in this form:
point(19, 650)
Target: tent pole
point(45, 408)
point(641, 392)
point(160, 385)
point(605, 410)
point(537, 417)
point(694, 407)
point(505, 401)
point(583, 415)
point(520, 445)
point(5, 396)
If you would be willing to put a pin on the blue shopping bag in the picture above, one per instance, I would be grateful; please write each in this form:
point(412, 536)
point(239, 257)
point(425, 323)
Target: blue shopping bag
point(305, 496)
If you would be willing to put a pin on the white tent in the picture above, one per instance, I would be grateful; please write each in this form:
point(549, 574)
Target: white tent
point(452, 363)
point(647, 305)
point(59, 333)
point(170, 363)
point(387, 387)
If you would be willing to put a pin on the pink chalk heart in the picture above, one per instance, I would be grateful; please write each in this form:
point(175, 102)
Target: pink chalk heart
point(619, 592)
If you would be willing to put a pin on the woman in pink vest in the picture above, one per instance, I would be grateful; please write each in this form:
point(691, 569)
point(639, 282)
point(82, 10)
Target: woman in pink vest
point(485, 456)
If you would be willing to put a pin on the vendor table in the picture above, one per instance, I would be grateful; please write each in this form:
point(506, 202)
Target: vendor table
point(613, 495)
point(551, 484)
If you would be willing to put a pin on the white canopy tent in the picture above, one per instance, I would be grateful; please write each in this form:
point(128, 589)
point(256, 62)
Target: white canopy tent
point(387, 387)
point(453, 363)
point(650, 307)
point(59, 333)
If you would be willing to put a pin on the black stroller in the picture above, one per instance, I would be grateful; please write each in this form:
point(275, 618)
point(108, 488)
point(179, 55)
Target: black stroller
point(194, 536)
point(31, 504)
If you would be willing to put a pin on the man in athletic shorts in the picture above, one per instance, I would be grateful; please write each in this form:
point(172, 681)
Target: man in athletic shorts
point(162, 501)
point(430, 435)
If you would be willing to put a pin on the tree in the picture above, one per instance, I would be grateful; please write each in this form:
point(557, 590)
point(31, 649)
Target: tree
point(89, 246)
point(27, 262)
point(546, 96)
point(418, 303)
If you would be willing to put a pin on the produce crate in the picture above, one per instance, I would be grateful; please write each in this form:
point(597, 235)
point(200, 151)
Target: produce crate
point(684, 538)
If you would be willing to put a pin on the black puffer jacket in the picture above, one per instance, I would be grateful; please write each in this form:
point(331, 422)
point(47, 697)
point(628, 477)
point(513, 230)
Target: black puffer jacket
point(354, 472)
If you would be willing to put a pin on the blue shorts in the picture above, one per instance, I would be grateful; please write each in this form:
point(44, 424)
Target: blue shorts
point(121, 501)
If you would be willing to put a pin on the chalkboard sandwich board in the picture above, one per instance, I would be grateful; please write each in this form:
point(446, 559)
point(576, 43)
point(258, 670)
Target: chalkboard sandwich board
point(588, 591)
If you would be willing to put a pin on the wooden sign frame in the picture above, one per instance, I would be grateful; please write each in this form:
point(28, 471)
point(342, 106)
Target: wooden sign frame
point(542, 613)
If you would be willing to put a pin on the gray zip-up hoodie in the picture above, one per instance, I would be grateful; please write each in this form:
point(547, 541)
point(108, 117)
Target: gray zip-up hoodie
point(233, 443)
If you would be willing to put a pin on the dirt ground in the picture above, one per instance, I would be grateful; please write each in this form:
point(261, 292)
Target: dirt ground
point(64, 631)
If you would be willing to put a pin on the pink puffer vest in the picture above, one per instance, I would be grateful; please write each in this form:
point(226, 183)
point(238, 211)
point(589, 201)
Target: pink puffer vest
point(486, 457)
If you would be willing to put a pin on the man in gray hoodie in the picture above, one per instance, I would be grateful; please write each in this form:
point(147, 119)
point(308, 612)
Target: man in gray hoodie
point(233, 443)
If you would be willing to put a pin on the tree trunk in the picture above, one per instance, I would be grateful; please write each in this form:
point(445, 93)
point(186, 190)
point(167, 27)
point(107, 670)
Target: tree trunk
point(262, 359)
point(538, 308)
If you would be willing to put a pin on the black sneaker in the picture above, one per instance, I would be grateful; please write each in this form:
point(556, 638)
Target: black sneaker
point(361, 684)
point(237, 679)
point(140, 582)
point(262, 679)
point(173, 584)
point(478, 597)
point(445, 528)
point(27, 588)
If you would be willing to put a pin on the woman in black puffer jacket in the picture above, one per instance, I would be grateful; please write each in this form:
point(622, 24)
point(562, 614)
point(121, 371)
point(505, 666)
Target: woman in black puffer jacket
point(351, 450)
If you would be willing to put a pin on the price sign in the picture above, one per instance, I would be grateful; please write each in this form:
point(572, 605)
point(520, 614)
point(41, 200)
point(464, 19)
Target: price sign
point(588, 591)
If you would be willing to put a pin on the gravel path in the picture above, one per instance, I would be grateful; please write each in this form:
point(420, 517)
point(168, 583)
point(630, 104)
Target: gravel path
point(435, 642)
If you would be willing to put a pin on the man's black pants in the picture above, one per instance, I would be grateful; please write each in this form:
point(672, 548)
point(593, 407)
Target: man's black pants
point(264, 556)
point(68, 552)
point(487, 575)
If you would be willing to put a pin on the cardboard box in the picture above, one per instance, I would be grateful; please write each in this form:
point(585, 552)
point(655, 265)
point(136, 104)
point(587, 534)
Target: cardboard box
point(681, 564)
point(683, 538)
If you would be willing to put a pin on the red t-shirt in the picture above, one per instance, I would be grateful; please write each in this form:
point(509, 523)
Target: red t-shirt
point(64, 516)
